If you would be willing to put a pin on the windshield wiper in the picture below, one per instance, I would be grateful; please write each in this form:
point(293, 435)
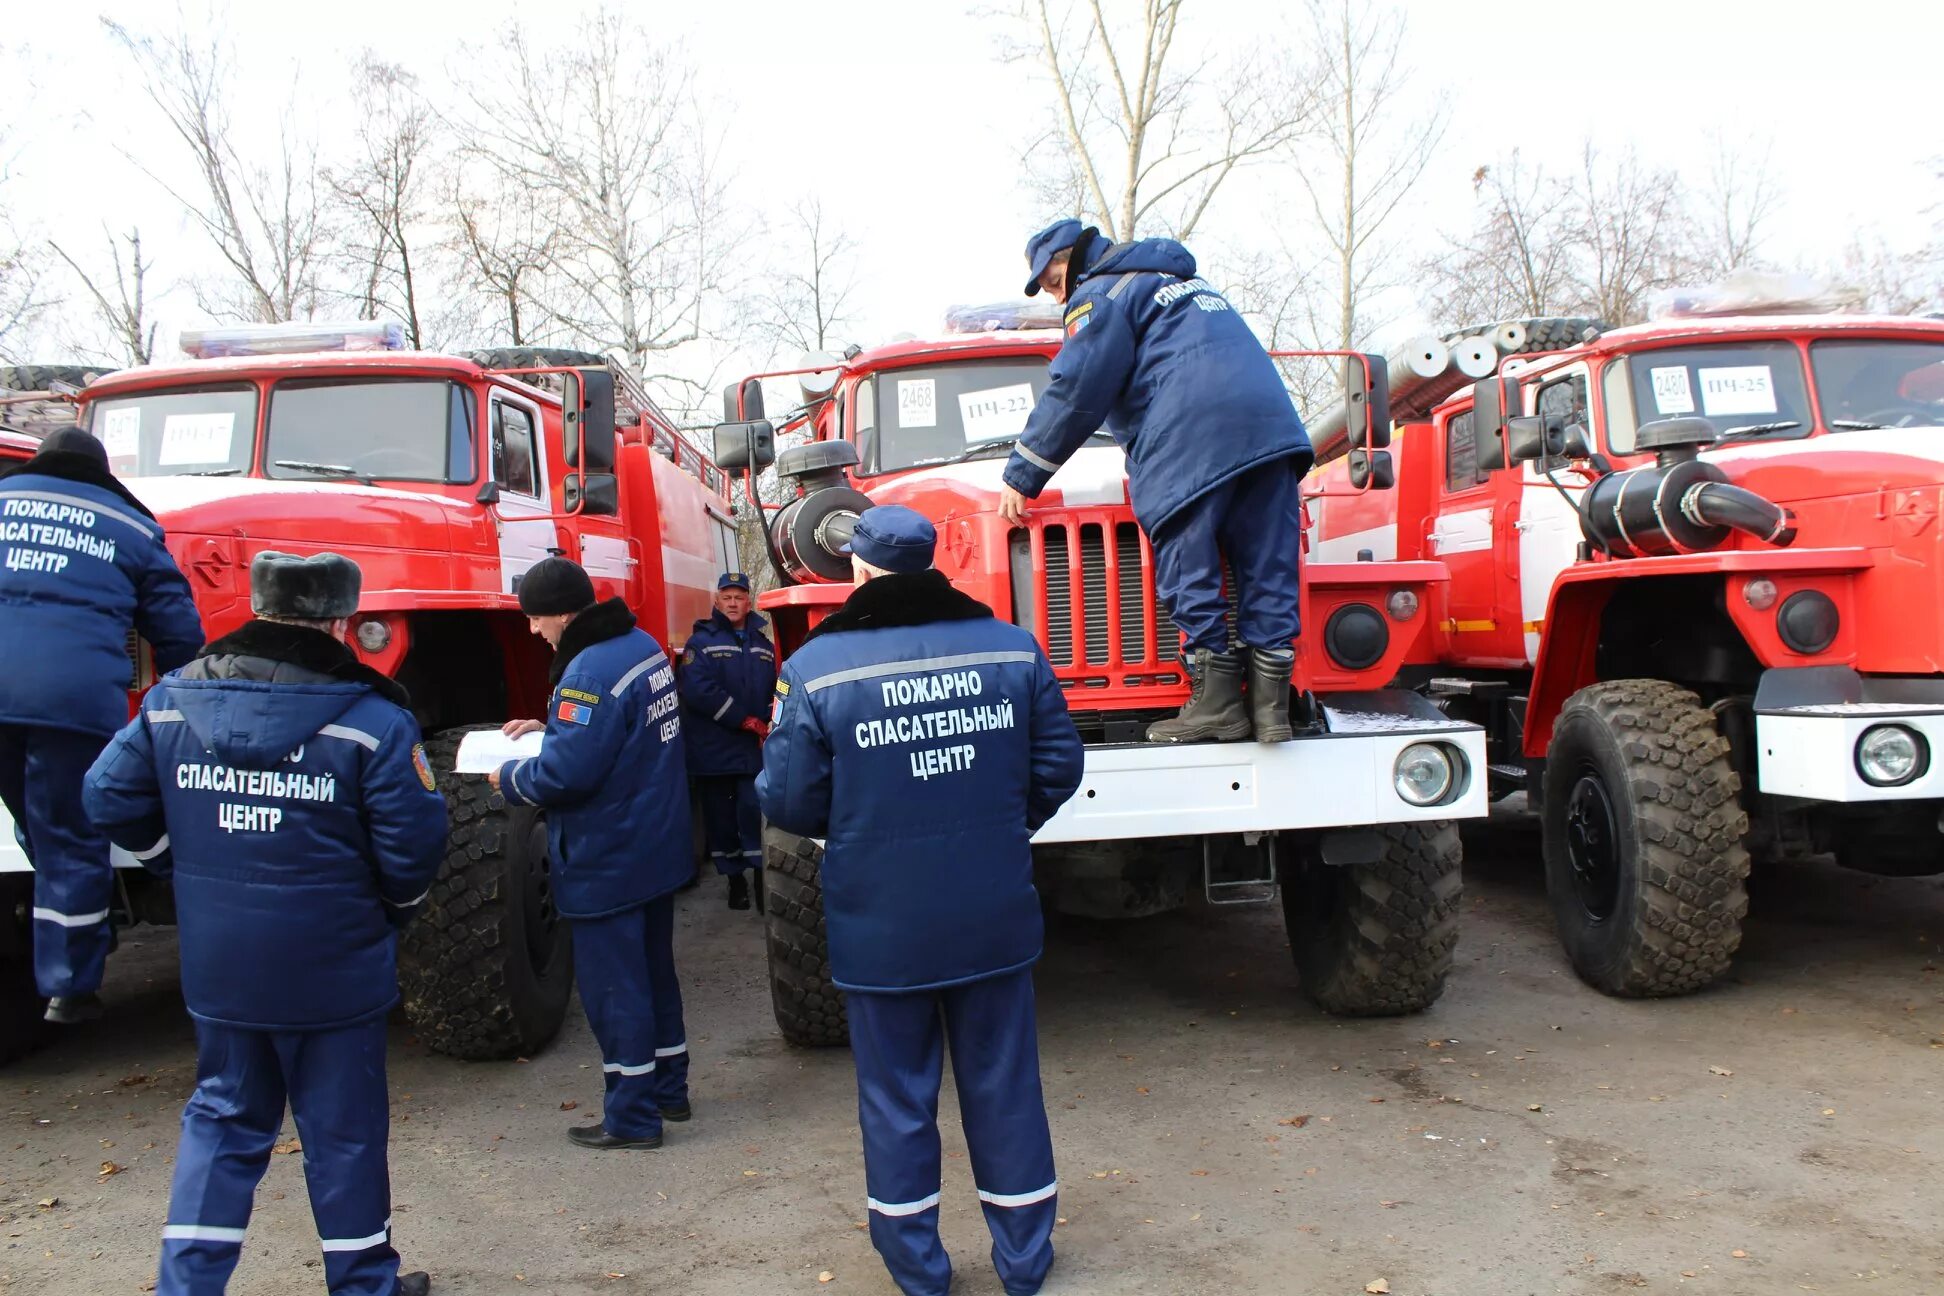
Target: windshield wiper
point(1852, 425)
point(1004, 443)
point(214, 472)
point(325, 470)
point(1757, 429)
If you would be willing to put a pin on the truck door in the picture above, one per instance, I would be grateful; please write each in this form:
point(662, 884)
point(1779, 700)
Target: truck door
point(520, 470)
point(1470, 534)
point(1548, 525)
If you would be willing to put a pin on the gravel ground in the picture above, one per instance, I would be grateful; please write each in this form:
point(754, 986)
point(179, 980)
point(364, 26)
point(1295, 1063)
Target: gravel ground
point(1215, 1133)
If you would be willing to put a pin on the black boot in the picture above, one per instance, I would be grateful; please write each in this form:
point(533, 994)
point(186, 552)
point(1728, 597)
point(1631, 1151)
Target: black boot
point(414, 1284)
point(738, 891)
point(72, 1010)
point(597, 1137)
point(1214, 712)
point(1269, 694)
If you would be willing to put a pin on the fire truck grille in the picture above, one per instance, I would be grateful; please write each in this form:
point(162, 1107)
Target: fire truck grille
point(1059, 599)
point(1116, 610)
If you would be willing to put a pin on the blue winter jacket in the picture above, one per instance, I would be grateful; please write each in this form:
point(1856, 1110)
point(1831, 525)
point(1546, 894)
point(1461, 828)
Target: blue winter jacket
point(283, 784)
point(925, 742)
point(610, 774)
point(726, 676)
point(81, 561)
point(1175, 374)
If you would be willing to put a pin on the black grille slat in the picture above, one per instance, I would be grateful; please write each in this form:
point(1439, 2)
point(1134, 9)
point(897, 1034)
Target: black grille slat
point(1093, 593)
point(1059, 598)
point(1133, 600)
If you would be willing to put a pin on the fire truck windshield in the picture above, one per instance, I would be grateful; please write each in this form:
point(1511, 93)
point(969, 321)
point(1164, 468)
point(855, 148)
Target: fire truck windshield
point(178, 432)
point(940, 413)
point(1734, 385)
point(412, 429)
point(1879, 382)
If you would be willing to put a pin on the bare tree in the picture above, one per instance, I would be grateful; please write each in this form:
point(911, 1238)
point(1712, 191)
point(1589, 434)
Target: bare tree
point(381, 193)
point(1629, 225)
point(1733, 209)
point(810, 285)
point(1376, 157)
point(1891, 281)
point(263, 215)
point(607, 135)
point(503, 243)
point(120, 307)
point(1517, 257)
point(1141, 143)
point(21, 270)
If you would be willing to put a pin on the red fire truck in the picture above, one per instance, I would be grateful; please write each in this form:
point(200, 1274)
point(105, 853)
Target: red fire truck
point(1353, 821)
point(1694, 602)
point(445, 477)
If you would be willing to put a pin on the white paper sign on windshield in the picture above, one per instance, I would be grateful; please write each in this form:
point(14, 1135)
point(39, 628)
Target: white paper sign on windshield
point(1743, 389)
point(996, 414)
point(917, 402)
point(121, 433)
point(1671, 392)
point(196, 439)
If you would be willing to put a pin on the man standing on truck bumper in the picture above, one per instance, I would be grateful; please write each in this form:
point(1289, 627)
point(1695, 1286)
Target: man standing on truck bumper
point(1215, 459)
point(926, 742)
point(81, 563)
point(610, 776)
point(281, 782)
point(727, 676)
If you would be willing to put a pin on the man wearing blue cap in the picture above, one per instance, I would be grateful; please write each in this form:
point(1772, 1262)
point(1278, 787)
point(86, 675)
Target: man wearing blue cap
point(727, 675)
point(1215, 459)
point(925, 741)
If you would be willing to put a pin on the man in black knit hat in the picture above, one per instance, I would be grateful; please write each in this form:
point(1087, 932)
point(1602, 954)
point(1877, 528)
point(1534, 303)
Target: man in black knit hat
point(612, 779)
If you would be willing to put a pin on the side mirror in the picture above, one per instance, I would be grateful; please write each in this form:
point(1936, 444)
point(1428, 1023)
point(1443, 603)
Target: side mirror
point(742, 401)
point(1366, 401)
point(1372, 470)
point(1525, 438)
point(745, 445)
point(489, 493)
point(596, 494)
point(1494, 400)
point(1574, 442)
point(587, 418)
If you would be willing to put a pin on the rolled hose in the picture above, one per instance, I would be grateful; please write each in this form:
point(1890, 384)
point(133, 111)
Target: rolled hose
point(1713, 503)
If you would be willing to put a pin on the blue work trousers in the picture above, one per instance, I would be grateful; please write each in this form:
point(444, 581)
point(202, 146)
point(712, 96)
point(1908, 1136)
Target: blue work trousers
point(732, 820)
point(41, 771)
point(334, 1081)
point(1255, 521)
point(625, 964)
point(898, 1041)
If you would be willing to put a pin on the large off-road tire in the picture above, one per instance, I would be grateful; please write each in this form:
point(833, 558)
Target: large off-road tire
point(809, 1008)
point(487, 966)
point(29, 378)
point(1376, 939)
point(1644, 829)
point(533, 357)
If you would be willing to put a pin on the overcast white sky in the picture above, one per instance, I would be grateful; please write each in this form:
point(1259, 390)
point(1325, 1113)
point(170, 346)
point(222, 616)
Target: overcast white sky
point(900, 115)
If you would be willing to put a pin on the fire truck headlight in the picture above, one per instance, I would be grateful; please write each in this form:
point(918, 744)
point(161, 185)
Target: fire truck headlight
point(1425, 773)
point(1402, 604)
point(1891, 756)
point(374, 636)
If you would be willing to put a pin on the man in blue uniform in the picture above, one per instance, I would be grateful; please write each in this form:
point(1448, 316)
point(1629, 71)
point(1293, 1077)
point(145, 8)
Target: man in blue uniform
point(727, 677)
point(81, 563)
point(1215, 459)
point(926, 741)
point(610, 777)
point(282, 783)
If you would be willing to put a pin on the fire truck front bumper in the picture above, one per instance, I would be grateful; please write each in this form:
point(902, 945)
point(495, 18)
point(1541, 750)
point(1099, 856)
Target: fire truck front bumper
point(1826, 733)
point(1369, 766)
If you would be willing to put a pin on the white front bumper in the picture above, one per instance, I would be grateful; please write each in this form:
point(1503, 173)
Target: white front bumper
point(1344, 778)
point(1810, 751)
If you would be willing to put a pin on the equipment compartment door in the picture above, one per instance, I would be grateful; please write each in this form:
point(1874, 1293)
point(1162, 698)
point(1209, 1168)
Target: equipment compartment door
point(1472, 524)
point(520, 468)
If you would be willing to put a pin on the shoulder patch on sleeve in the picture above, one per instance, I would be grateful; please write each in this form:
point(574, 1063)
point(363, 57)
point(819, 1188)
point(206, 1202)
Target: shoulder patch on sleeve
point(1078, 318)
point(570, 712)
point(592, 699)
point(688, 655)
point(424, 768)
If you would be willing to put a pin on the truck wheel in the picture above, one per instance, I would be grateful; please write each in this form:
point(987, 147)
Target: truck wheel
point(1375, 939)
point(809, 1008)
point(27, 378)
point(1645, 861)
point(487, 966)
point(533, 357)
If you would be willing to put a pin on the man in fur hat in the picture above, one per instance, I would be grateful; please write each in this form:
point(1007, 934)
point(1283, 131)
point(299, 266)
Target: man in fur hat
point(81, 563)
point(280, 781)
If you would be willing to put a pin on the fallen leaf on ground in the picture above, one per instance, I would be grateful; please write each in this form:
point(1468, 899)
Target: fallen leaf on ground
point(613, 1274)
point(130, 1081)
point(1739, 1255)
point(1375, 1100)
point(109, 1168)
point(1829, 1111)
point(286, 1149)
point(1379, 1287)
point(1297, 1121)
point(1140, 1089)
point(48, 1203)
point(1199, 1174)
point(749, 1174)
point(1720, 1071)
point(826, 1276)
point(1534, 1107)
point(569, 1105)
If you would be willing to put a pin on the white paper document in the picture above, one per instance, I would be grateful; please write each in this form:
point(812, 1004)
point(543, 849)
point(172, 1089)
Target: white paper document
point(486, 750)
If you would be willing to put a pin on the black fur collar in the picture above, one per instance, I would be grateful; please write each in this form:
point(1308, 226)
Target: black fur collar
point(69, 466)
point(608, 619)
point(311, 649)
point(902, 599)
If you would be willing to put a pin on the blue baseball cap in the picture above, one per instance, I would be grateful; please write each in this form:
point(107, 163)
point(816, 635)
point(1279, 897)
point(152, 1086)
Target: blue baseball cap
point(732, 580)
point(893, 538)
point(1057, 237)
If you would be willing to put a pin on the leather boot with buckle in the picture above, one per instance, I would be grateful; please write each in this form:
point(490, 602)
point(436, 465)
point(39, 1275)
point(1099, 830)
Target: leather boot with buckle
point(1215, 712)
point(1269, 694)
